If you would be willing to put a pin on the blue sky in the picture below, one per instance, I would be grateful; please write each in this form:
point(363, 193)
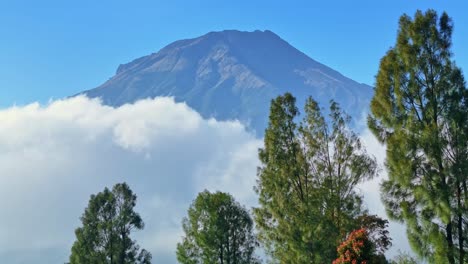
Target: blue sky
point(52, 49)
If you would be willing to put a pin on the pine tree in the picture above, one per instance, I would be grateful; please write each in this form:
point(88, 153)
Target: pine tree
point(307, 180)
point(419, 111)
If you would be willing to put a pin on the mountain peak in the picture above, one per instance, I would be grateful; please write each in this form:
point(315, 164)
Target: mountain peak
point(240, 32)
point(230, 37)
point(231, 74)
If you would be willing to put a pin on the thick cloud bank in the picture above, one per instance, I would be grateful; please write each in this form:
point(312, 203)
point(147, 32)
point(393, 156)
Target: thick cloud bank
point(52, 158)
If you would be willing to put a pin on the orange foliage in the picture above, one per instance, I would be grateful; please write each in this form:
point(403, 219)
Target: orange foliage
point(356, 249)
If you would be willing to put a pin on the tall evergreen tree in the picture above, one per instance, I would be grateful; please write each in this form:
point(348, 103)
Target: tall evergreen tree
point(218, 230)
point(105, 235)
point(419, 111)
point(306, 183)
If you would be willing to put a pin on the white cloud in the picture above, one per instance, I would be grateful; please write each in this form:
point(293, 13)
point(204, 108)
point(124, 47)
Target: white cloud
point(53, 157)
point(371, 192)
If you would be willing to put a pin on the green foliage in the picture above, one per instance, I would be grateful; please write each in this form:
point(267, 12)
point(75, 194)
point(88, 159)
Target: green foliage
point(105, 235)
point(403, 258)
point(306, 182)
point(419, 111)
point(217, 230)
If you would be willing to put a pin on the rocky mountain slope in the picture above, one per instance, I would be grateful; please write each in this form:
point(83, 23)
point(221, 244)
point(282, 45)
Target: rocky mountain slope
point(232, 75)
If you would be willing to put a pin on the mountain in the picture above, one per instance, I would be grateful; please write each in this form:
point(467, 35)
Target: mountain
point(232, 75)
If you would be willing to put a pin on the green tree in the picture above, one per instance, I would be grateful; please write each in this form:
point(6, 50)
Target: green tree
point(419, 111)
point(306, 183)
point(404, 258)
point(105, 235)
point(218, 230)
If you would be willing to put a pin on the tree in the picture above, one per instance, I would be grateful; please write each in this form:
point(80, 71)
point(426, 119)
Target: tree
point(306, 183)
point(366, 244)
point(419, 110)
point(217, 230)
point(358, 249)
point(377, 232)
point(105, 235)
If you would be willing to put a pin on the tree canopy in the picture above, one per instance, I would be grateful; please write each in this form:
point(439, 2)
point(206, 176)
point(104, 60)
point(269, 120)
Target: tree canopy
point(218, 230)
point(105, 235)
point(358, 249)
point(306, 183)
point(419, 111)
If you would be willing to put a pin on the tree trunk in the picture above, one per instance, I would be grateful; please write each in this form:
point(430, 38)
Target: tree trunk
point(449, 238)
point(461, 252)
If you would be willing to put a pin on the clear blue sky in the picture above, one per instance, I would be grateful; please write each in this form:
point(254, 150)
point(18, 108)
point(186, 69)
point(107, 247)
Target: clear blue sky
point(52, 49)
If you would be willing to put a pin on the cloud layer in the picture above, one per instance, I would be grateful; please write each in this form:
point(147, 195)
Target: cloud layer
point(53, 157)
point(371, 193)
